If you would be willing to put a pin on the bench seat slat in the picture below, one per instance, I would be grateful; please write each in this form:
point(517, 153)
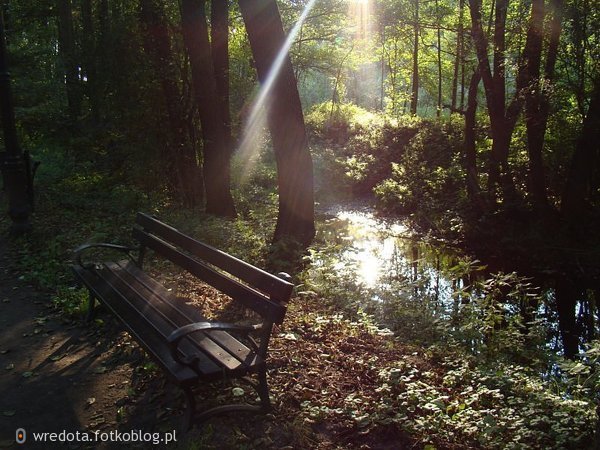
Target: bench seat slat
point(160, 315)
point(247, 296)
point(191, 313)
point(278, 289)
point(180, 313)
point(138, 328)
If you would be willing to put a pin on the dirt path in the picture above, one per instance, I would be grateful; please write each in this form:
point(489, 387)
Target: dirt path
point(55, 374)
point(59, 375)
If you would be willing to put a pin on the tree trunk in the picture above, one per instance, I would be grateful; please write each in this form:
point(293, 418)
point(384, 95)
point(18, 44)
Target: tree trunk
point(219, 33)
point(458, 58)
point(473, 190)
point(503, 118)
point(295, 219)
point(216, 168)
point(180, 160)
point(88, 60)
point(535, 123)
point(439, 59)
point(414, 98)
point(567, 295)
point(68, 54)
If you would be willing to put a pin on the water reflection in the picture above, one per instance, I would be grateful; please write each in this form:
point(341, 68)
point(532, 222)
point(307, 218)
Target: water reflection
point(383, 256)
point(372, 245)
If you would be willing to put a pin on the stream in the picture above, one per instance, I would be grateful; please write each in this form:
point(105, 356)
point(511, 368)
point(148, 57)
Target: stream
point(382, 267)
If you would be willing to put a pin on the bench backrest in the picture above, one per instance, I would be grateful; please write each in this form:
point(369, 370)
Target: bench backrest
point(253, 287)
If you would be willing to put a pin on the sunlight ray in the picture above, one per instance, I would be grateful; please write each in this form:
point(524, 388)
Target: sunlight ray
point(255, 124)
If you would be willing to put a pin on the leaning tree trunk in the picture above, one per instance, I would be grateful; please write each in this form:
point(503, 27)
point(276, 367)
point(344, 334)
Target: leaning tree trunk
point(216, 168)
point(295, 219)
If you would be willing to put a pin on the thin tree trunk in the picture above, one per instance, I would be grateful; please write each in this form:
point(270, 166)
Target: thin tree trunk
point(68, 55)
point(295, 219)
point(414, 99)
point(537, 105)
point(216, 168)
point(532, 57)
point(88, 60)
point(458, 58)
point(473, 190)
point(439, 59)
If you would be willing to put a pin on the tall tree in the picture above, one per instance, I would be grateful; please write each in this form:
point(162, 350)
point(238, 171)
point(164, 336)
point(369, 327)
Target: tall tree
point(180, 159)
point(216, 161)
point(68, 54)
point(89, 72)
point(414, 98)
point(295, 218)
point(503, 116)
point(537, 104)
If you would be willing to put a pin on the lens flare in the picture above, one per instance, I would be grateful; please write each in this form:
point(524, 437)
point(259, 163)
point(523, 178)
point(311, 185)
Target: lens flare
point(255, 124)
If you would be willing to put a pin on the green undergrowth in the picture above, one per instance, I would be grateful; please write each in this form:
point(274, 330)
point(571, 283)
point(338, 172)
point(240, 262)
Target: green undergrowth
point(339, 379)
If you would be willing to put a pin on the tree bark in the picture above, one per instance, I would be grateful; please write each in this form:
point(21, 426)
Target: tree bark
point(216, 168)
point(295, 219)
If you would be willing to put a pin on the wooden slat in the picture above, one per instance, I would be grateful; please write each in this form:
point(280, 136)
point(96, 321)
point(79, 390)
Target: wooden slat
point(161, 317)
point(278, 290)
point(181, 314)
point(138, 328)
point(252, 299)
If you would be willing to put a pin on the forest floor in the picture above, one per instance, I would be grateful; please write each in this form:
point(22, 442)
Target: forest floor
point(58, 374)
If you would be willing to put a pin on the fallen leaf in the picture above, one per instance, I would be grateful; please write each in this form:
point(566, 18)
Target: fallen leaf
point(100, 369)
point(237, 392)
point(9, 413)
point(10, 366)
point(27, 374)
point(90, 401)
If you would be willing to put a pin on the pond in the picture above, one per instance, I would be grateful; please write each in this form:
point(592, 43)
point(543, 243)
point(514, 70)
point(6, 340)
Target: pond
point(380, 264)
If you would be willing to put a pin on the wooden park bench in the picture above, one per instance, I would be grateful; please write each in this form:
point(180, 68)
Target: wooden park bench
point(189, 348)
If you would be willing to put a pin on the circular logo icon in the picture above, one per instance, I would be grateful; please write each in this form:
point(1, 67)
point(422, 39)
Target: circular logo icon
point(20, 436)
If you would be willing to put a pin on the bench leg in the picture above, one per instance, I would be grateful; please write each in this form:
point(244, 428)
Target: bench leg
point(91, 307)
point(263, 390)
point(190, 411)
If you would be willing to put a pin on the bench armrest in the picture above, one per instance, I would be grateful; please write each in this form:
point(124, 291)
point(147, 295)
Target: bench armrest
point(177, 335)
point(79, 251)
